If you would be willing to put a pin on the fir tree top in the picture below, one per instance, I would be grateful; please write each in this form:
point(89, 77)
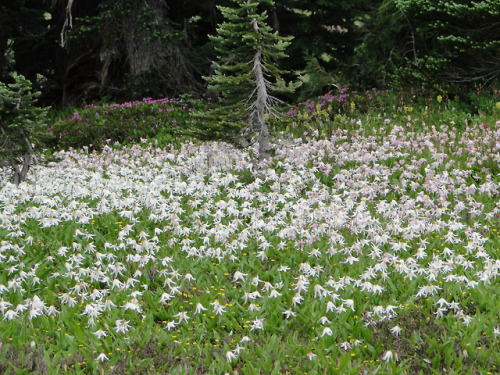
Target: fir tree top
point(244, 32)
point(246, 72)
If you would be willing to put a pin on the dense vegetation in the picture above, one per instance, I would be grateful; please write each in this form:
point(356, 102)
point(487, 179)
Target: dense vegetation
point(368, 242)
point(77, 52)
point(364, 240)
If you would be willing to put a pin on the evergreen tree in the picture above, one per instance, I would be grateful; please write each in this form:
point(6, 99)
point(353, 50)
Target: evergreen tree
point(386, 43)
point(326, 34)
point(245, 74)
point(20, 124)
point(455, 42)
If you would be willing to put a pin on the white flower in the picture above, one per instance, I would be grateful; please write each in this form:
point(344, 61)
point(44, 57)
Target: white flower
point(315, 252)
point(440, 312)
point(100, 333)
point(467, 319)
point(297, 299)
point(389, 355)
point(496, 331)
point(102, 357)
point(274, 294)
point(20, 307)
point(327, 331)
point(256, 280)
point(262, 255)
point(199, 308)
point(357, 342)
point(171, 325)
point(239, 276)
point(133, 305)
point(230, 356)
point(442, 302)
point(238, 349)
point(165, 297)
point(330, 306)
point(219, 309)
point(428, 290)
point(348, 303)
point(255, 295)
point(253, 307)
point(108, 304)
point(311, 355)
point(37, 303)
point(33, 313)
point(324, 320)
point(396, 330)
point(245, 339)
point(257, 324)
point(289, 313)
point(389, 310)
point(301, 285)
point(346, 346)
point(454, 306)
point(319, 291)
point(10, 315)
point(341, 309)
point(182, 317)
point(122, 326)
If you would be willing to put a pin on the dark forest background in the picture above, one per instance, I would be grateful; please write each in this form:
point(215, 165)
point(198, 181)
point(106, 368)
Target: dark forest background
point(81, 51)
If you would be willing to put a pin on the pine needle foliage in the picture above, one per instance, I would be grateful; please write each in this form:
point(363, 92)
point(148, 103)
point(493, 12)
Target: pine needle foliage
point(21, 123)
point(453, 42)
point(246, 72)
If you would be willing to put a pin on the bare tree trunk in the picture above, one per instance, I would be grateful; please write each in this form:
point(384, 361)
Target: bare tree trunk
point(68, 23)
point(261, 106)
point(21, 174)
point(264, 145)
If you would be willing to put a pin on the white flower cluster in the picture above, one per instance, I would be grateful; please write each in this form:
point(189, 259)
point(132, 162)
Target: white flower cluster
point(340, 243)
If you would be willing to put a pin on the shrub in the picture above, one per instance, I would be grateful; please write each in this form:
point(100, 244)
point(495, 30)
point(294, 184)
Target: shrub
point(95, 125)
point(332, 110)
point(21, 124)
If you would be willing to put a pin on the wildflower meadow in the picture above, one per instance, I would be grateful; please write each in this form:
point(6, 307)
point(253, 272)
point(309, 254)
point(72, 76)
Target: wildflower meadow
point(370, 248)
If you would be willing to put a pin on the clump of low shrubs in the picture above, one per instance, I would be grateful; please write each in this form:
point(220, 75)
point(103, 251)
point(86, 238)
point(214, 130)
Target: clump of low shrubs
point(345, 108)
point(169, 119)
point(21, 126)
point(97, 125)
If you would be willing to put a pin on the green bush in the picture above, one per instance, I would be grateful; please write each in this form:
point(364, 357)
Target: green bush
point(95, 126)
point(21, 124)
point(346, 107)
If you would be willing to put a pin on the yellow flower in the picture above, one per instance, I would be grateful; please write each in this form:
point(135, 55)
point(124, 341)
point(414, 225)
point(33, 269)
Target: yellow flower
point(497, 106)
point(439, 98)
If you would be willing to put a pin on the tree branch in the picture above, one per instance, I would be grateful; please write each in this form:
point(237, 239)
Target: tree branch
point(68, 22)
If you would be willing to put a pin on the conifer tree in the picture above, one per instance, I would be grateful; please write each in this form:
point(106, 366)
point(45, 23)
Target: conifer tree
point(20, 124)
point(454, 42)
point(245, 75)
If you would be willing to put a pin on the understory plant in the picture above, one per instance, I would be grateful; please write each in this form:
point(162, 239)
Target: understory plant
point(20, 124)
point(96, 125)
point(245, 76)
